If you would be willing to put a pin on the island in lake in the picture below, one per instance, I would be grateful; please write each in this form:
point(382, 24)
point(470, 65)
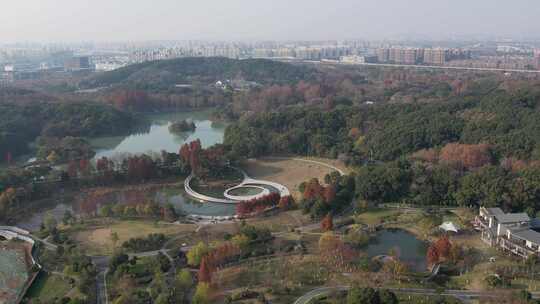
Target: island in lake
point(182, 126)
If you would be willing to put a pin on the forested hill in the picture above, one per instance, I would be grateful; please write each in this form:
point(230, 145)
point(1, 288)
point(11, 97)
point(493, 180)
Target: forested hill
point(166, 73)
point(22, 123)
point(510, 123)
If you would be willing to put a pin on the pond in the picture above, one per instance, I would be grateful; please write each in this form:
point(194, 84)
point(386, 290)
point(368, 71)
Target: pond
point(186, 205)
point(156, 135)
point(409, 249)
point(83, 205)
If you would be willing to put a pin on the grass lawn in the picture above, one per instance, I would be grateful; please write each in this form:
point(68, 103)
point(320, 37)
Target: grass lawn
point(292, 271)
point(281, 221)
point(47, 287)
point(95, 238)
point(376, 216)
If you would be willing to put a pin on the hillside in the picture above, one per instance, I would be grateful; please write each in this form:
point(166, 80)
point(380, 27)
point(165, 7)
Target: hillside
point(166, 73)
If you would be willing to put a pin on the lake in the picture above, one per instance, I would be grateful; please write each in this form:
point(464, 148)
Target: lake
point(155, 135)
point(410, 250)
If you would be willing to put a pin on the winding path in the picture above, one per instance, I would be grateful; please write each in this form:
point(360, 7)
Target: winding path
point(250, 182)
point(341, 172)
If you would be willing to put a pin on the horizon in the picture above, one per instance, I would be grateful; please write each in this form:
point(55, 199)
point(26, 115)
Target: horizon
point(66, 21)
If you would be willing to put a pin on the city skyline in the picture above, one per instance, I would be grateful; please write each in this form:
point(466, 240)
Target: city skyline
point(122, 20)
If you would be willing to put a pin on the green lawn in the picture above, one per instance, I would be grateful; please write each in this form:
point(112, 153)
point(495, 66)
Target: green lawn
point(96, 238)
point(48, 287)
point(376, 216)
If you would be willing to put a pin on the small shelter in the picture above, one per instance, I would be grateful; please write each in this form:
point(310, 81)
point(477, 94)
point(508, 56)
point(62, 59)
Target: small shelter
point(449, 227)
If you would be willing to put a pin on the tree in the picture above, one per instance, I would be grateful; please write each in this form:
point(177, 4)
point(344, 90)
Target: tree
point(286, 202)
point(242, 241)
point(184, 280)
point(357, 295)
point(387, 297)
point(7, 198)
point(169, 213)
point(327, 223)
point(50, 222)
point(53, 157)
point(164, 264)
point(162, 298)
point(196, 253)
point(114, 238)
point(117, 260)
point(467, 156)
point(205, 275)
point(329, 194)
point(202, 294)
point(432, 255)
point(67, 218)
point(443, 247)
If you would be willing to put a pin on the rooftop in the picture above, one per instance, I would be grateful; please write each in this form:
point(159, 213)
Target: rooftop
point(512, 218)
point(494, 211)
point(528, 235)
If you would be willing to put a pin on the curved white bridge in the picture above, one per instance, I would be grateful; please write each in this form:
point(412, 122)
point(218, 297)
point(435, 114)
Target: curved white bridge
point(235, 199)
point(262, 191)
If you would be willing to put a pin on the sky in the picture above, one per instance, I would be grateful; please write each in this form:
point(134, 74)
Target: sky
point(140, 20)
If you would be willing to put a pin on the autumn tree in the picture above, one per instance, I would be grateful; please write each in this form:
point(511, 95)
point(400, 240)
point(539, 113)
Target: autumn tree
point(443, 247)
point(467, 156)
point(432, 255)
point(205, 274)
point(285, 202)
point(329, 194)
point(327, 223)
point(313, 189)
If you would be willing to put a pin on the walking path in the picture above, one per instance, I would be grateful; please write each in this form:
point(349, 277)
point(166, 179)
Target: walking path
point(11, 232)
point(253, 183)
point(341, 172)
point(464, 295)
point(247, 182)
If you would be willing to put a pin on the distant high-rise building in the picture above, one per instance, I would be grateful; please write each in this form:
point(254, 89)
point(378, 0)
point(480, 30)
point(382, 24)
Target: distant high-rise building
point(77, 64)
point(409, 56)
point(399, 55)
point(537, 58)
point(383, 55)
point(435, 56)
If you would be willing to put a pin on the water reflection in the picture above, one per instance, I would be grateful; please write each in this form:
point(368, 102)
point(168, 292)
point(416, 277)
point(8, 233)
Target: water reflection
point(157, 137)
point(405, 245)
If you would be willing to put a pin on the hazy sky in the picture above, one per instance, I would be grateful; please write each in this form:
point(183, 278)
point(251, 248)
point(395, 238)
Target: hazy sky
point(76, 20)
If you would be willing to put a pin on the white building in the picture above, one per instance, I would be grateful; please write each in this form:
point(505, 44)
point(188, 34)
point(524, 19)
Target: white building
point(511, 232)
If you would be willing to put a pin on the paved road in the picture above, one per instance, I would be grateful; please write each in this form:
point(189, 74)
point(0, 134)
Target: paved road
point(102, 264)
point(429, 67)
point(463, 295)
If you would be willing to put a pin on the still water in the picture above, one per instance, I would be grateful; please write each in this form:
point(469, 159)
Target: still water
point(155, 136)
point(408, 248)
